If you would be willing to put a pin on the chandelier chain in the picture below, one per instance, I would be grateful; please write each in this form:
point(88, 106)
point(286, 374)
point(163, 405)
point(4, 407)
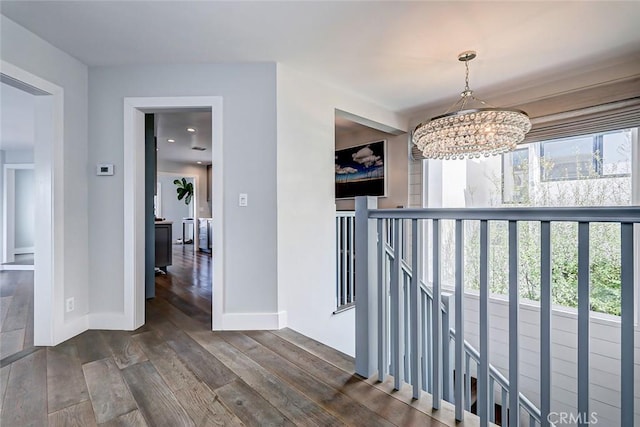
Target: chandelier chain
point(466, 79)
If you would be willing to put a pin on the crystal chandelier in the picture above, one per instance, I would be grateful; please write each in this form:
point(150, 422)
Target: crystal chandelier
point(471, 132)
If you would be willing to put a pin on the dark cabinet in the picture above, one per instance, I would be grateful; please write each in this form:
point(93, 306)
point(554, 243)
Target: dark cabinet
point(209, 182)
point(205, 234)
point(164, 235)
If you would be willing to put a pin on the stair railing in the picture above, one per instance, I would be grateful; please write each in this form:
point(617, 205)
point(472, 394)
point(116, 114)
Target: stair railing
point(399, 334)
point(495, 377)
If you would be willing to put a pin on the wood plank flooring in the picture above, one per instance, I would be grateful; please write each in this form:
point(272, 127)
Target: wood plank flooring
point(174, 371)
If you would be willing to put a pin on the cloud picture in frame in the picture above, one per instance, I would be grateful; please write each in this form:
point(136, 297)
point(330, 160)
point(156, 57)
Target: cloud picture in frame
point(361, 170)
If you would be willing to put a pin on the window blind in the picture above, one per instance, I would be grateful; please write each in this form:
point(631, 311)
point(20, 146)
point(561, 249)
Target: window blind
point(600, 118)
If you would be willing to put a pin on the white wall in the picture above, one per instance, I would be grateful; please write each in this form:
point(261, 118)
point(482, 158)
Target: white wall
point(199, 171)
point(24, 209)
point(249, 157)
point(36, 56)
point(18, 156)
point(306, 203)
point(397, 165)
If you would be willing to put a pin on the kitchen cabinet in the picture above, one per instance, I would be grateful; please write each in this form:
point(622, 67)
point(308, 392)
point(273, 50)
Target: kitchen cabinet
point(164, 236)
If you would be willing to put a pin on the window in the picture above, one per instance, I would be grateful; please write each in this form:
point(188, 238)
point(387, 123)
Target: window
point(515, 176)
point(591, 170)
point(591, 156)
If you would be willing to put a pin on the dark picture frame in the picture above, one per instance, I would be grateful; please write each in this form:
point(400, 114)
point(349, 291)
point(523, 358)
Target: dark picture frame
point(362, 170)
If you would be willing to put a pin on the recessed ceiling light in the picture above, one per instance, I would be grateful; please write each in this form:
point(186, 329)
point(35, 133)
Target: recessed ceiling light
point(192, 130)
point(199, 163)
point(171, 140)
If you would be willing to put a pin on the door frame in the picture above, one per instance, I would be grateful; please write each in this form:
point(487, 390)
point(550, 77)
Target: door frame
point(134, 226)
point(49, 325)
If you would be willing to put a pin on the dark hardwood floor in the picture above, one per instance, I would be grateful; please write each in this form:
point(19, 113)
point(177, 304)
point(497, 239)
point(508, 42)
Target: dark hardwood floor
point(174, 371)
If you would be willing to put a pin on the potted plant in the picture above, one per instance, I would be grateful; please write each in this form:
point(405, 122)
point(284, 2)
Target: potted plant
point(184, 190)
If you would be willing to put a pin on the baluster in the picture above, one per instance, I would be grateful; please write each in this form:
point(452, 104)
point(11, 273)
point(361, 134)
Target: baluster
point(406, 328)
point(627, 329)
point(459, 337)
point(514, 305)
point(483, 377)
point(427, 342)
point(345, 232)
point(396, 271)
point(352, 282)
point(532, 420)
point(382, 304)
point(416, 318)
point(467, 382)
point(424, 363)
point(447, 388)
point(492, 400)
point(545, 322)
point(436, 322)
point(503, 408)
point(338, 258)
point(583, 322)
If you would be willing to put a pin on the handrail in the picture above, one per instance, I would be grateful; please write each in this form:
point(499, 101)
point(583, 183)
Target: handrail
point(572, 214)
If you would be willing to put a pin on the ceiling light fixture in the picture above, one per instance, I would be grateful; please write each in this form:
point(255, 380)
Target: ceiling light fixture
point(171, 140)
point(471, 132)
point(192, 130)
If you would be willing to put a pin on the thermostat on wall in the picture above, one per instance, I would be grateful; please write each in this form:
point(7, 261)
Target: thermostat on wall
point(104, 169)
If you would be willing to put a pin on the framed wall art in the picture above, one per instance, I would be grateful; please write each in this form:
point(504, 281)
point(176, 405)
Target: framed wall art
point(362, 170)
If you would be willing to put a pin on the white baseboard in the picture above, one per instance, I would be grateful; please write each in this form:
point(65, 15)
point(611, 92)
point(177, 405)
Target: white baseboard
point(109, 321)
point(22, 251)
point(16, 267)
point(72, 328)
point(253, 321)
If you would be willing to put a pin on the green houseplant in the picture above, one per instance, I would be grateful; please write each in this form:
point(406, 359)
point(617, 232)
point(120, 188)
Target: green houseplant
point(184, 190)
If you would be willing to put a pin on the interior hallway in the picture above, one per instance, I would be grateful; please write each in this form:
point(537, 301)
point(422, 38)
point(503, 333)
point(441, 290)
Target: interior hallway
point(174, 371)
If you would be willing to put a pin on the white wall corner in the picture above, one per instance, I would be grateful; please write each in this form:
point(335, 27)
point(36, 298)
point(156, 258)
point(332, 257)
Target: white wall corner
point(254, 321)
point(110, 321)
point(72, 328)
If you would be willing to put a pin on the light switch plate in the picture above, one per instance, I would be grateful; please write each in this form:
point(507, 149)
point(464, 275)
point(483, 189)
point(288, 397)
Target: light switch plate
point(243, 200)
point(104, 169)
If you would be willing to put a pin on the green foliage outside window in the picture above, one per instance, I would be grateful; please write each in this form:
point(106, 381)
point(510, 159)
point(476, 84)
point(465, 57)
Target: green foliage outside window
point(588, 189)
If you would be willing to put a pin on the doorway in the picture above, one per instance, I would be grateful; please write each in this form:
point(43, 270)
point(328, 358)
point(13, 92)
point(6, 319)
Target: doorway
point(46, 325)
point(134, 177)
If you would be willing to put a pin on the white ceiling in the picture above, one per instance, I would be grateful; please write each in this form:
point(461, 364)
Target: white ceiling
point(400, 55)
point(174, 126)
point(17, 118)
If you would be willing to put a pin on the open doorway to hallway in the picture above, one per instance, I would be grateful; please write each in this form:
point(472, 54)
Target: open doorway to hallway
point(183, 207)
point(17, 184)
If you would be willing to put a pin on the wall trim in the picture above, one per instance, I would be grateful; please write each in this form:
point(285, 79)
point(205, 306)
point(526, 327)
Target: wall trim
point(134, 300)
point(16, 267)
point(110, 321)
point(254, 321)
point(74, 327)
point(22, 251)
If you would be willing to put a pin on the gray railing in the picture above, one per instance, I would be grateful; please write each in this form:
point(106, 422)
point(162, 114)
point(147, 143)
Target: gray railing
point(345, 260)
point(398, 333)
